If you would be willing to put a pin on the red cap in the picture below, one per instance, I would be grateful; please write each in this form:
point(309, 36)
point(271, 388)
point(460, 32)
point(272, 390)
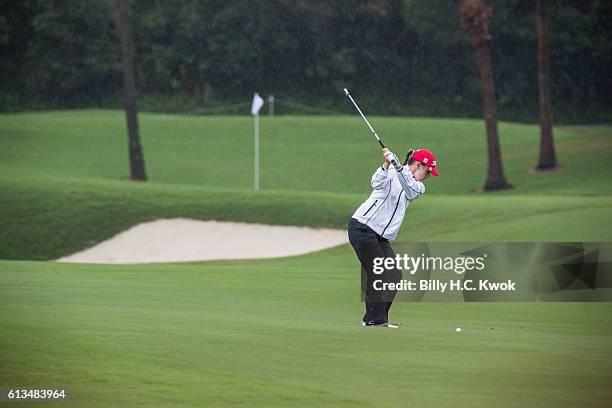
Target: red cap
point(427, 158)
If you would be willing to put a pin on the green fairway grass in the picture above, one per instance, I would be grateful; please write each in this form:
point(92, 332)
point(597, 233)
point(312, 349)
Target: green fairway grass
point(285, 332)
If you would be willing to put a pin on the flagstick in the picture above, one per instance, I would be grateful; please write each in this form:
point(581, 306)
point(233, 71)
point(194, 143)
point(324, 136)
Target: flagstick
point(255, 107)
point(257, 152)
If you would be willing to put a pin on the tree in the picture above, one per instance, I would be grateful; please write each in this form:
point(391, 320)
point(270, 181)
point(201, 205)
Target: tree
point(475, 17)
point(137, 168)
point(548, 159)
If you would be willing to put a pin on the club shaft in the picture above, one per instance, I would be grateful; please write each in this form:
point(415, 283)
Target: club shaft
point(364, 118)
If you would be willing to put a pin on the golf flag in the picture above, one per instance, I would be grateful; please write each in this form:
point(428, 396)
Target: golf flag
point(257, 104)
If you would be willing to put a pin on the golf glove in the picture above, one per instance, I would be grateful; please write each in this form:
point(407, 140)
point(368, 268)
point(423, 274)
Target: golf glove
point(392, 158)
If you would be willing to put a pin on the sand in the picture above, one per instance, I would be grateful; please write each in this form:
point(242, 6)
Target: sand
point(184, 240)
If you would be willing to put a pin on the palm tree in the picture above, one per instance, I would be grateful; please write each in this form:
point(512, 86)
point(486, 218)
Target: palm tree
point(137, 168)
point(475, 16)
point(548, 159)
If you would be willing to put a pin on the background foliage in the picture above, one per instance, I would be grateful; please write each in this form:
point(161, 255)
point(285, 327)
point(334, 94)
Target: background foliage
point(402, 57)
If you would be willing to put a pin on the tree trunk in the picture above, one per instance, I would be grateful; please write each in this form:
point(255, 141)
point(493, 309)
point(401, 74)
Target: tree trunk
point(548, 159)
point(495, 176)
point(137, 167)
point(475, 16)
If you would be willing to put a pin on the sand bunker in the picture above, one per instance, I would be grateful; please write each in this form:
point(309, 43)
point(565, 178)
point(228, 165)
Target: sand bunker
point(181, 240)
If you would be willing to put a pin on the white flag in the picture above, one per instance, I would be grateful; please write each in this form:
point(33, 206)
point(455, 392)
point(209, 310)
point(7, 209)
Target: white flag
point(257, 104)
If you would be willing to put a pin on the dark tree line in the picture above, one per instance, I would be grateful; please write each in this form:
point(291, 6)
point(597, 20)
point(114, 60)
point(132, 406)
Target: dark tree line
point(405, 57)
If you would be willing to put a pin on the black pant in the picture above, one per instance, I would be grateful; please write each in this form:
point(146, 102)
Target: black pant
point(369, 245)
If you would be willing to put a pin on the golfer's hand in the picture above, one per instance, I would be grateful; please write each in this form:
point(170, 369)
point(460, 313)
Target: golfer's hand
point(384, 152)
point(392, 158)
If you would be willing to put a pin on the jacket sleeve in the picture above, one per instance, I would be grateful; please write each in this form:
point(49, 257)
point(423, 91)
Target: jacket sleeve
point(379, 178)
point(411, 186)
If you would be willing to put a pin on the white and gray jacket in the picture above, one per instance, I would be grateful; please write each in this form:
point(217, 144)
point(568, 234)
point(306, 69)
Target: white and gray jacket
point(393, 192)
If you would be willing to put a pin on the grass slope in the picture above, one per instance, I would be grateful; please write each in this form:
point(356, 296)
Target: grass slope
point(61, 217)
point(63, 177)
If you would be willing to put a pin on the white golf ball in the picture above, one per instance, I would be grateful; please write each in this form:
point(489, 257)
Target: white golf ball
point(458, 329)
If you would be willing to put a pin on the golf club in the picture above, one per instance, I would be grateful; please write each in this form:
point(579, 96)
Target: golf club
point(347, 93)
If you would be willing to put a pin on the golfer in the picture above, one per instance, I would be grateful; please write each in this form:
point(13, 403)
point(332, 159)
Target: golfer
point(378, 220)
